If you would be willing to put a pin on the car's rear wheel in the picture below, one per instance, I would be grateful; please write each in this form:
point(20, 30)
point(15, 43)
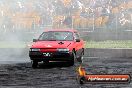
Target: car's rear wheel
point(80, 59)
point(34, 64)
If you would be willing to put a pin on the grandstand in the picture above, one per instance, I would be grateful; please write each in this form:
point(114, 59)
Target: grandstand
point(81, 14)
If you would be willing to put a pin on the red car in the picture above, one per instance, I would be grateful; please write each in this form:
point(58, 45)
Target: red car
point(57, 45)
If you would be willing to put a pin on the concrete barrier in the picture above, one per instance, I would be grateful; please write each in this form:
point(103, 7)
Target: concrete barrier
point(17, 54)
point(108, 53)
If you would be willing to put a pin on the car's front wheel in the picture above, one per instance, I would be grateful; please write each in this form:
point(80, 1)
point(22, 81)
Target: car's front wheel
point(46, 62)
point(72, 61)
point(34, 64)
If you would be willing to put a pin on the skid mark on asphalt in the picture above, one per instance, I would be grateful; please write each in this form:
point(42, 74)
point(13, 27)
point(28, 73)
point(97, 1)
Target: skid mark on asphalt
point(60, 75)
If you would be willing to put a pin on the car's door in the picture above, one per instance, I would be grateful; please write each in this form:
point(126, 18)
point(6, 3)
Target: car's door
point(79, 45)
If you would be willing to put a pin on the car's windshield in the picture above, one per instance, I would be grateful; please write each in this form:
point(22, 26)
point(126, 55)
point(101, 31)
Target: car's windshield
point(56, 36)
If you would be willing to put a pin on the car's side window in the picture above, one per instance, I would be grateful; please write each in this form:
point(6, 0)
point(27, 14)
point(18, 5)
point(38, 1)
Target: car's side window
point(77, 36)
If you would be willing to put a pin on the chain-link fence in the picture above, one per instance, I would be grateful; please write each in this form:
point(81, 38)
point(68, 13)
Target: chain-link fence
point(97, 20)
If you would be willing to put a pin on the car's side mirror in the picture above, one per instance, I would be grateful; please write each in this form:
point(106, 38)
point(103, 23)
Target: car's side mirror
point(35, 40)
point(77, 40)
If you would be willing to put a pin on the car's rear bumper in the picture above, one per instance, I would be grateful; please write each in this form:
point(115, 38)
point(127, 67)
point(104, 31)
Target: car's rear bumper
point(50, 56)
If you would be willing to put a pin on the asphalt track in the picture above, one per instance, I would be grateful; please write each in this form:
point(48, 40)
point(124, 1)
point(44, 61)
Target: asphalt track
point(16, 71)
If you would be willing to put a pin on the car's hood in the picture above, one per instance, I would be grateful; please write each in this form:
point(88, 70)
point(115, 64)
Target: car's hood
point(51, 44)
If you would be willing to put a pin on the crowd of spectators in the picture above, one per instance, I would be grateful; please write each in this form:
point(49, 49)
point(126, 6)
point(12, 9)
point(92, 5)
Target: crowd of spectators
point(108, 13)
point(66, 13)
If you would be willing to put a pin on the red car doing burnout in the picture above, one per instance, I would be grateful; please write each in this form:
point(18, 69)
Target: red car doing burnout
point(57, 45)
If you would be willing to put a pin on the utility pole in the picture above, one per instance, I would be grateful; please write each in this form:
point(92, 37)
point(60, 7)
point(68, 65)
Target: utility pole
point(72, 22)
point(93, 20)
point(116, 25)
point(131, 18)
